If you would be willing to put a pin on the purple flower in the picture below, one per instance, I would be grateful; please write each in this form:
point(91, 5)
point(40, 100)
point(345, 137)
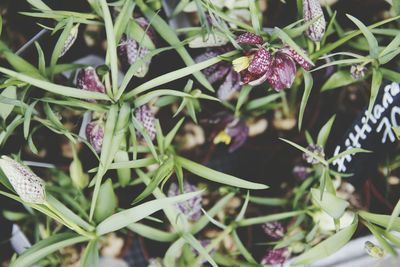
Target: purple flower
point(130, 51)
point(146, 117)
point(229, 130)
point(88, 80)
point(316, 149)
point(357, 71)
point(249, 38)
point(222, 72)
point(95, 134)
point(276, 256)
point(274, 230)
point(283, 72)
point(311, 10)
point(192, 207)
point(296, 57)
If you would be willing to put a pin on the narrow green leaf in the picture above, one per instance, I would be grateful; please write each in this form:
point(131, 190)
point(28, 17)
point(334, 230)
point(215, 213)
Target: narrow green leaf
point(327, 247)
point(152, 233)
point(393, 76)
point(171, 135)
point(338, 79)
point(330, 203)
point(372, 42)
point(382, 241)
point(216, 176)
point(267, 201)
point(380, 219)
point(325, 131)
point(308, 84)
point(194, 243)
point(395, 214)
point(106, 203)
point(124, 218)
point(269, 218)
point(311, 154)
point(90, 256)
point(375, 85)
point(6, 109)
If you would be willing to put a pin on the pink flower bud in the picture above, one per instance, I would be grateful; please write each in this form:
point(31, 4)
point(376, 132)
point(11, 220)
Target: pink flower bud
point(28, 185)
point(249, 38)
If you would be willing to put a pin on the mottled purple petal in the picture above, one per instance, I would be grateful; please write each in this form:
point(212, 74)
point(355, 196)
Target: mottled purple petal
point(144, 24)
point(95, 134)
point(88, 80)
point(283, 72)
point(192, 207)
point(312, 9)
point(239, 132)
point(273, 229)
point(276, 256)
point(247, 77)
point(146, 117)
point(294, 55)
point(261, 62)
point(215, 72)
point(229, 86)
point(250, 39)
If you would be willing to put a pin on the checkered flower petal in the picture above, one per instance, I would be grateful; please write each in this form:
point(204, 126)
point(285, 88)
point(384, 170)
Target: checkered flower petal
point(129, 52)
point(73, 35)
point(274, 230)
point(276, 256)
point(144, 24)
point(146, 117)
point(316, 149)
point(261, 62)
point(283, 72)
point(88, 80)
point(28, 185)
point(249, 38)
point(247, 77)
point(192, 207)
point(296, 57)
point(215, 72)
point(95, 134)
point(312, 9)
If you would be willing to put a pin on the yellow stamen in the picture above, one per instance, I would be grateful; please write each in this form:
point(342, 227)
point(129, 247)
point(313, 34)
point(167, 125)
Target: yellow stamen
point(222, 137)
point(241, 63)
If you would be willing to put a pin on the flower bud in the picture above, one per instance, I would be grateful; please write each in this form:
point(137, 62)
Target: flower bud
point(192, 207)
point(88, 80)
point(311, 10)
point(249, 38)
point(296, 57)
point(95, 134)
point(73, 34)
point(146, 117)
point(274, 230)
point(357, 71)
point(283, 72)
point(316, 149)
point(373, 250)
point(28, 185)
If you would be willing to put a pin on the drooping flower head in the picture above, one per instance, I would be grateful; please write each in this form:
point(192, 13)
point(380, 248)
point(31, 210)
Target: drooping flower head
point(190, 208)
point(276, 256)
point(88, 80)
point(274, 230)
point(28, 185)
point(311, 10)
point(73, 34)
point(222, 73)
point(316, 149)
point(283, 72)
point(130, 50)
point(146, 117)
point(95, 134)
point(229, 130)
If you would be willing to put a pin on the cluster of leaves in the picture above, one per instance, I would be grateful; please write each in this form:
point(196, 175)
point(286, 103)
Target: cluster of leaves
point(31, 99)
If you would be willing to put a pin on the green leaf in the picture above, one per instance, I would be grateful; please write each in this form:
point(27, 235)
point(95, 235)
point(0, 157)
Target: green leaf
point(171, 135)
point(327, 247)
point(338, 79)
point(375, 85)
point(255, 16)
point(177, 74)
point(61, 42)
point(6, 109)
point(308, 84)
point(393, 45)
point(382, 241)
point(194, 243)
point(325, 131)
point(170, 37)
point(242, 248)
point(393, 76)
point(152, 233)
point(41, 59)
point(348, 152)
point(122, 19)
point(330, 203)
point(90, 256)
point(135, 31)
point(311, 154)
point(55, 88)
point(380, 219)
point(269, 218)
point(261, 102)
point(106, 203)
point(39, 4)
point(372, 42)
point(242, 212)
point(45, 247)
point(124, 218)
point(163, 172)
point(216, 176)
point(395, 214)
point(267, 201)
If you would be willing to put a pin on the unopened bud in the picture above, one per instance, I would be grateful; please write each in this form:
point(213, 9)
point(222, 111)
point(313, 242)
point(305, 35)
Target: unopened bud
point(73, 34)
